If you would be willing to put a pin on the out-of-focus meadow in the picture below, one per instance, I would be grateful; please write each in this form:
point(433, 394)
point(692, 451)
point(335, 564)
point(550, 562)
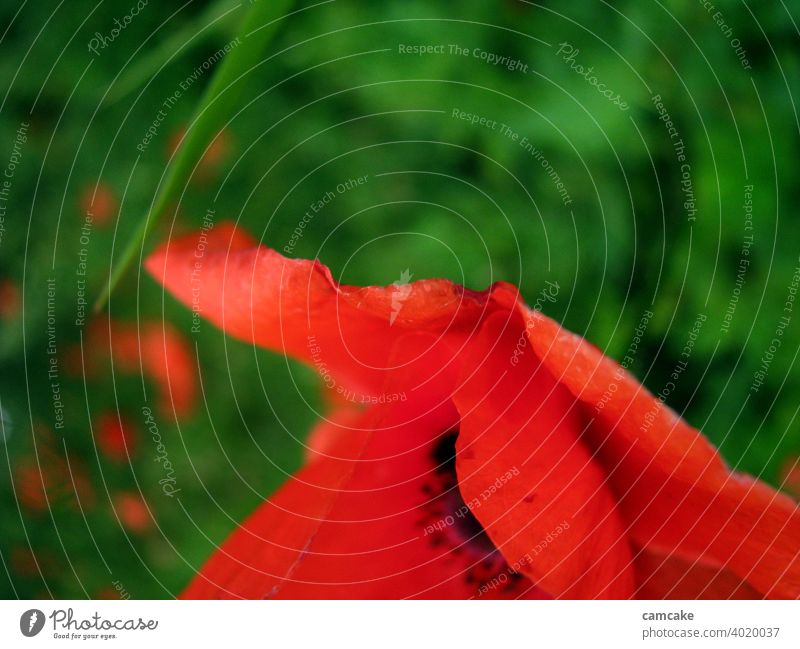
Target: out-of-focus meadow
point(658, 189)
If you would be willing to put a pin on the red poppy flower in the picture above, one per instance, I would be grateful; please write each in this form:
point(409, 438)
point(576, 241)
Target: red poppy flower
point(99, 201)
point(31, 486)
point(212, 157)
point(484, 466)
point(132, 512)
point(49, 478)
point(9, 300)
point(156, 349)
point(27, 563)
point(116, 436)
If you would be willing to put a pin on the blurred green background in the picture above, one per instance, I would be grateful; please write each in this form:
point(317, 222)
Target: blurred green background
point(336, 96)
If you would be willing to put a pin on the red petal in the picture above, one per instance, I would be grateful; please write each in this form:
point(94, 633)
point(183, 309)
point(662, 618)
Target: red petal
point(295, 307)
point(673, 488)
point(536, 489)
point(354, 527)
point(323, 439)
point(662, 576)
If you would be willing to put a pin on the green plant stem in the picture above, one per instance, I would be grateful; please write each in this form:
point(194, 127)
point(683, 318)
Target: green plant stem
point(215, 109)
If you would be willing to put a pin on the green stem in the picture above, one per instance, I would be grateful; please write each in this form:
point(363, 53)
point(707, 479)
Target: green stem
point(215, 109)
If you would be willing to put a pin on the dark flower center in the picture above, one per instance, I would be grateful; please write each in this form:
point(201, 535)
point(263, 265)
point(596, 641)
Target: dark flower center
point(452, 504)
point(448, 522)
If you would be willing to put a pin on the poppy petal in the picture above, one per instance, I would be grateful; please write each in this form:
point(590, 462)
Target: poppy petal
point(253, 562)
point(295, 307)
point(535, 487)
point(673, 488)
point(368, 520)
point(660, 576)
point(323, 438)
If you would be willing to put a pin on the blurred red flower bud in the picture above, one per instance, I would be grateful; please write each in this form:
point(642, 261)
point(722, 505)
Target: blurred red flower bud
point(133, 512)
point(116, 436)
point(9, 300)
point(100, 202)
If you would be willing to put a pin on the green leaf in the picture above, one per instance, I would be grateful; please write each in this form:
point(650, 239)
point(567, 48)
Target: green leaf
point(216, 107)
